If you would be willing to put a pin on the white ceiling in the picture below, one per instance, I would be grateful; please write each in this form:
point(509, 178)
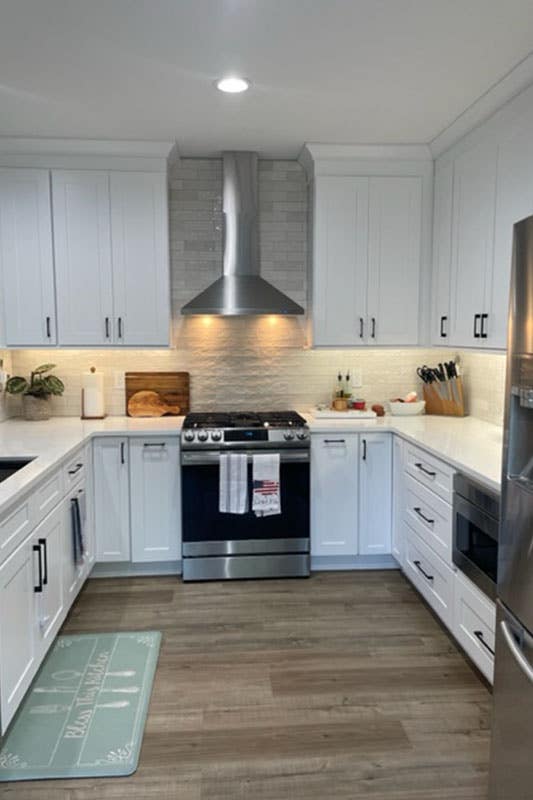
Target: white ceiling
point(362, 71)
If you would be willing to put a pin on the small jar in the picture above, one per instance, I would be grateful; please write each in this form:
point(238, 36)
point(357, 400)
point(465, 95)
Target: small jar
point(359, 405)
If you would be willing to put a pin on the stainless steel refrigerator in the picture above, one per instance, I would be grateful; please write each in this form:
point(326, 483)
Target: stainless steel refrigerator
point(511, 767)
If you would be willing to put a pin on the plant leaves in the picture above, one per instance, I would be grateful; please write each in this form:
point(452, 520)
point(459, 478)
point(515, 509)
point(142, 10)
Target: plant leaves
point(17, 385)
point(43, 368)
point(53, 385)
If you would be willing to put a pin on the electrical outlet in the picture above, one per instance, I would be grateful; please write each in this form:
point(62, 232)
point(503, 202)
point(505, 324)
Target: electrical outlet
point(118, 379)
point(357, 378)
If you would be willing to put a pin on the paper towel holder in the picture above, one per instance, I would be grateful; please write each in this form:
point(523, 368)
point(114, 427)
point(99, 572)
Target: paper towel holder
point(83, 414)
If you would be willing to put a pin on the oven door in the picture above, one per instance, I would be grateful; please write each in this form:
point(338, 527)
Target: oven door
point(475, 545)
point(207, 532)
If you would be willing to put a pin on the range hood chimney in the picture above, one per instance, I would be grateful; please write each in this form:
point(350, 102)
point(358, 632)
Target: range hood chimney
point(241, 290)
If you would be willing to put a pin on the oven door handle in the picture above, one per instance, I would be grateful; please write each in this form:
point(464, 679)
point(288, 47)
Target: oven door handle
point(208, 457)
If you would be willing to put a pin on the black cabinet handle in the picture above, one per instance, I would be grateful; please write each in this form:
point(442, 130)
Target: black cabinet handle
point(480, 638)
point(334, 441)
point(373, 333)
point(107, 327)
point(423, 516)
point(424, 470)
point(37, 549)
point(42, 543)
point(442, 331)
point(484, 318)
point(424, 573)
point(361, 327)
point(154, 444)
point(75, 470)
point(119, 321)
point(364, 449)
point(122, 453)
point(477, 318)
point(48, 328)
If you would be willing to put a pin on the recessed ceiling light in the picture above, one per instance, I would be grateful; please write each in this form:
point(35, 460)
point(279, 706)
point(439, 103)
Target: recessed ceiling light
point(232, 85)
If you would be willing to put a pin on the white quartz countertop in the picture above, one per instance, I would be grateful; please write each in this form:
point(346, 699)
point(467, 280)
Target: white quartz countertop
point(470, 445)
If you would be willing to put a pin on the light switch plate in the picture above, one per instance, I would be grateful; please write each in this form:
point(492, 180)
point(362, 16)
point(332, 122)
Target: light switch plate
point(118, 379)
point(357, 378)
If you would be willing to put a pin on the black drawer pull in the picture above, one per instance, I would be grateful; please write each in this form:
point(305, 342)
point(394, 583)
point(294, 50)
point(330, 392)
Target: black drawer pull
point(373, 332)
point(442, 331)
point(119, 327)
point(76, 469)
point(479, 636)
point(42, 543)
point(154, 444)
point(477, 318)
point(334, 441)
point(37, 549)
point(424, 573)
point(418, 511)
point(484, 318)
point(425, 471)
point(48, 329)
point(107, 327)
point(122, 453)
point(361, 327)
point(364, 449)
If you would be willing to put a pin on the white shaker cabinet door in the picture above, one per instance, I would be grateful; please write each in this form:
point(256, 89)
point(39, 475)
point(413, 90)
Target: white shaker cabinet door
point(394, 253)
point(141, 279)
point(340, 260)
point(82, 247)
point(19, 637)
point(375, 493)
point(111, 499)
point(472, 242)
point(442, 252)
point(26, 259)
point(49, 536)
point(155, 499)
point(334, 465)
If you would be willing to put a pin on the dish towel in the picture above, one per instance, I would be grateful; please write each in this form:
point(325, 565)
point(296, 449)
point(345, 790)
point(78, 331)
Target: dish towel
point(266, 496)
point(233, 483)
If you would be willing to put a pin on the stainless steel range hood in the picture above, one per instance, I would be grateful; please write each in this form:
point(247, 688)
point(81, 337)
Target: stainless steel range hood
point(241, 290)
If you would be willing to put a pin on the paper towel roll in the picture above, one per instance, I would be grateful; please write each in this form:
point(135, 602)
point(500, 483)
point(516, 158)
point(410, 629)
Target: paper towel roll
point(92, 394)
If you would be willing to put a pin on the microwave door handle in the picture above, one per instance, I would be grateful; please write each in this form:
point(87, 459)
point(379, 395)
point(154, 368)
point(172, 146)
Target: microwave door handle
point(519, 656)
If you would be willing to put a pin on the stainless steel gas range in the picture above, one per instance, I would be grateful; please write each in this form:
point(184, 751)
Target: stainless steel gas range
point(218, 546)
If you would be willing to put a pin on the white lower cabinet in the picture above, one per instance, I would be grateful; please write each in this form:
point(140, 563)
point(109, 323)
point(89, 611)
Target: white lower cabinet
point(375, 493)
point(111, 499)
point(334, 484)
point(431, 576)
point(474, 624)
point(429, 516)
point(49, 537)
point(19, 634)
point(155, 499)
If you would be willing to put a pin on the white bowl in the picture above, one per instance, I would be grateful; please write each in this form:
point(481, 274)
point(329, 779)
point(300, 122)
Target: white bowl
point(407, 409)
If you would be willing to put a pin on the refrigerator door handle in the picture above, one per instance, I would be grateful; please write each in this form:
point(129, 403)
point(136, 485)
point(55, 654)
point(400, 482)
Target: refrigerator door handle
point(520, 658)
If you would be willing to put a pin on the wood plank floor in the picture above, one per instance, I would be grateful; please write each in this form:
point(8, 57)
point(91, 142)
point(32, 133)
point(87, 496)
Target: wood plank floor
point(342, 686)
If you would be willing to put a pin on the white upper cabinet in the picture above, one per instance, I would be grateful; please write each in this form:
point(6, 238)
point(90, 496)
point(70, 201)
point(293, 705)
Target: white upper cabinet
point(442, 252)
point(341, 253)
point(371, 236)
point(375, 494)
point(26, 261)
point(82, 244)
point(394, 249)
point(139, 236)
point(474, 195)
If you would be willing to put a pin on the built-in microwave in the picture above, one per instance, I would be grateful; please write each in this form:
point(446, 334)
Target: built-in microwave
point(476, 520)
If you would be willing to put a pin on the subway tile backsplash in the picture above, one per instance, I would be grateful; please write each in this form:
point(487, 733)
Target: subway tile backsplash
point(261, 362)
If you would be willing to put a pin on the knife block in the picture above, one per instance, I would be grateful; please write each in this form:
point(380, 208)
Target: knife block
point(451, 404)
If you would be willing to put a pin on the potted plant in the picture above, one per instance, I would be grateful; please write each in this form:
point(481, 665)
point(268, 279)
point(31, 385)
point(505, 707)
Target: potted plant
point(36, 392)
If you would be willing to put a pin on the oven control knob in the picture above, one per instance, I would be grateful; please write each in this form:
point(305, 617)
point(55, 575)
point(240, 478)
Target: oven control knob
point(302, 435)
point(216, 436)
point(288, 436)
point(189, 436)
point(202, 436)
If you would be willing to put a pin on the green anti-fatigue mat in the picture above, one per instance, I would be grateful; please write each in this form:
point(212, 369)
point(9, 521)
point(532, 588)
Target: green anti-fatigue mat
point(85, 712)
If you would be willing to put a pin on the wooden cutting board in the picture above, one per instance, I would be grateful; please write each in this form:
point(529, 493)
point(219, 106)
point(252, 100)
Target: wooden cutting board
point(157, 394)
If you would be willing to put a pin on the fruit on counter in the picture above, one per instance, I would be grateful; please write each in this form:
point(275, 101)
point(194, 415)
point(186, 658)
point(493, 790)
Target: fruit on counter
point(411, 397)
point(378, 409)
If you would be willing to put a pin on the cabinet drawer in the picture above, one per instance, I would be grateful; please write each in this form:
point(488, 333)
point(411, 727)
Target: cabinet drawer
point(47, 495)
point(15, 525)
point(433, 579)
point(474, 624)
point(430, 517)
point(75, 468)
point(430, 471)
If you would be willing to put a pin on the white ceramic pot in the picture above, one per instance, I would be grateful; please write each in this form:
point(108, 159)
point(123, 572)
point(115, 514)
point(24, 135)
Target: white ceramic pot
point(36, 408)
